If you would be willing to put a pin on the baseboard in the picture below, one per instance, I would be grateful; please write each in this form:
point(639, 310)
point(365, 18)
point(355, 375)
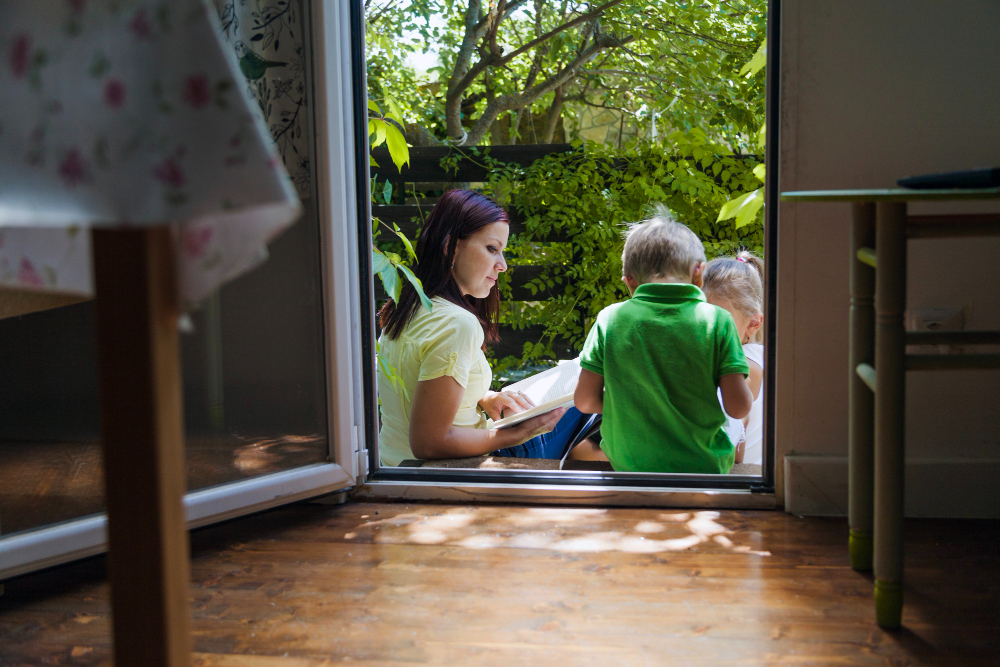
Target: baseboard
point(953, 488)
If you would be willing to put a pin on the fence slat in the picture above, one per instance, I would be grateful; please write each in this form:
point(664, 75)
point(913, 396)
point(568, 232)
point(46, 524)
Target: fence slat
point(512, 342)
point(425, 162)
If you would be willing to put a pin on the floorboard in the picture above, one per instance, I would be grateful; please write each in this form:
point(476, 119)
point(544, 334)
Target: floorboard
point(394, 584)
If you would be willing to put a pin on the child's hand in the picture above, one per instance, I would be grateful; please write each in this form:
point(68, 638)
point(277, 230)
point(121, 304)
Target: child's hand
point(494, 404)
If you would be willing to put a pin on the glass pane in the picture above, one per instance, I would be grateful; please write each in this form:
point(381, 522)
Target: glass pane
point(575, 135)
point(253, 362)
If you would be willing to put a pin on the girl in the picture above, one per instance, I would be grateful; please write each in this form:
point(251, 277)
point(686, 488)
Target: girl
point(737, 284)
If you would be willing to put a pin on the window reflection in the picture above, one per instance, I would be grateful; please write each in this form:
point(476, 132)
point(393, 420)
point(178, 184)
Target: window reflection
point(252, 362)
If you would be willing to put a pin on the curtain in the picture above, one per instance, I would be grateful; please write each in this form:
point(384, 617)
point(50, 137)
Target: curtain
point(268, 37)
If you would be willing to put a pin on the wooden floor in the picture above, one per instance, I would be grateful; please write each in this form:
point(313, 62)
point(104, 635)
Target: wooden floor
point(379, 584)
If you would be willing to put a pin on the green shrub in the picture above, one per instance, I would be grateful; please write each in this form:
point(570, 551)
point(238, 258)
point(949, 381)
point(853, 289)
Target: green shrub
point(588, 196)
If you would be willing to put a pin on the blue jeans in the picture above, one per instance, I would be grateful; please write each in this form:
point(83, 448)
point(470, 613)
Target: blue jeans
point(552, 445)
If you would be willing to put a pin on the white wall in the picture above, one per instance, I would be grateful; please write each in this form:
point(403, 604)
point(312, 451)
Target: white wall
point(874, 90)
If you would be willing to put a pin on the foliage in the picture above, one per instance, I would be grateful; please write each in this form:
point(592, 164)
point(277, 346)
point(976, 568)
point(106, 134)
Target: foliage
point(389, 265)
point(381, 130)
point(588, 196)
point(746, 207)
point(503, 62)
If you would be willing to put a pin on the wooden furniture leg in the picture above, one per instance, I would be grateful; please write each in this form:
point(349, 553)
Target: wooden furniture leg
point(861, 400)
point(143, 443)
point(890, 368)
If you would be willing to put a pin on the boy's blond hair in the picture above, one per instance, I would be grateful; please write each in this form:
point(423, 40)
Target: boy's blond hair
point(661, 247)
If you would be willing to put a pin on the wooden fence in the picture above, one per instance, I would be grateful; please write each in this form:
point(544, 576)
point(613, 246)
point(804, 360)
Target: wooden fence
point(416, 189)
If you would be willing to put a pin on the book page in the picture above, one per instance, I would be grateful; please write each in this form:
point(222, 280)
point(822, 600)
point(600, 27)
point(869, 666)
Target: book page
point(555, 383)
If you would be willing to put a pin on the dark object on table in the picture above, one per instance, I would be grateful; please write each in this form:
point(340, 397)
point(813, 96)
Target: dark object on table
point(964, 180)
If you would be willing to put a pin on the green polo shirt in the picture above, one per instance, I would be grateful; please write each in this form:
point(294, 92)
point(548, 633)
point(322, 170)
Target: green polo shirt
point(662, 353)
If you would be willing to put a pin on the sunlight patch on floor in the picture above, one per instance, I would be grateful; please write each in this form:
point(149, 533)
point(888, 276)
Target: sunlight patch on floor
point(567, 530)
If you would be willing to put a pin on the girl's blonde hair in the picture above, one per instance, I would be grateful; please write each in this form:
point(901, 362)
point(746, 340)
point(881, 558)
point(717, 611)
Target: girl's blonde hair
point(739, 280)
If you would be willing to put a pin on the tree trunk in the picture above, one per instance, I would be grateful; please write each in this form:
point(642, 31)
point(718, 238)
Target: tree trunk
point(555, 111)
point(516, 126)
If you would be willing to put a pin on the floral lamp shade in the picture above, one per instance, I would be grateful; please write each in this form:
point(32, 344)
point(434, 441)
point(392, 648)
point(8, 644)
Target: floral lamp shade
point(127, 113)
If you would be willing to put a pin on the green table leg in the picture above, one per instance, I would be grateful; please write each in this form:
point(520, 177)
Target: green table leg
point(860, 549)
point(890, 369)
point(861, 416)
point(888, 604)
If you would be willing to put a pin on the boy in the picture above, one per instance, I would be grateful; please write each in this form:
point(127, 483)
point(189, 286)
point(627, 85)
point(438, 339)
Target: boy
point(652, 364)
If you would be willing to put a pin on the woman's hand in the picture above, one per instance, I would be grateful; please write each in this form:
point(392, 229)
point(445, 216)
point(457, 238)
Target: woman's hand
point(529, 428)
point(495, 403)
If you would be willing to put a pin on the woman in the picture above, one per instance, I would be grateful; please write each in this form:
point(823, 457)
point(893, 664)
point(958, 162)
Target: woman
point(439, 408)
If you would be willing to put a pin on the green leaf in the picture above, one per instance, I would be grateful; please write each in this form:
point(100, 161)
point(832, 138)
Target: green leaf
point(406, 242)
point(398, 150)
point(759, 171)
point(390, 281)
point(394, 111)
point(749, 212)
point(744, 208)
point(100, 65)
point(380, 132)
point(374, 107)
point(379, 261)
point(756, 63)
point(417, 285)
point(387, 192)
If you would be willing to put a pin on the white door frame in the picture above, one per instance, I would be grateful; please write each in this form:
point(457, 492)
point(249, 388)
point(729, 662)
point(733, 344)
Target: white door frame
point(601, 489)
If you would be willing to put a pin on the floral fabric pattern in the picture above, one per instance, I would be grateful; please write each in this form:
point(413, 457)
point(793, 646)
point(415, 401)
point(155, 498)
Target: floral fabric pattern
point(267, 38)
point(130, 113)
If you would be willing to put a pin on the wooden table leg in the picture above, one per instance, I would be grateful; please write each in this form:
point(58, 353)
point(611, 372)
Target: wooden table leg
point(861, 427)
point(143, 443)
point(890, 372)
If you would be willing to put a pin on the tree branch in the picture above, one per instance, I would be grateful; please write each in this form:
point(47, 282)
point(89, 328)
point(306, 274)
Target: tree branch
point(463, 77)
point(507, 102)
point(622, 72)
point(513, 7)
point(536, 68)
point(494, 28)
point(553, 119)
point(555, 31)
point(453, 101)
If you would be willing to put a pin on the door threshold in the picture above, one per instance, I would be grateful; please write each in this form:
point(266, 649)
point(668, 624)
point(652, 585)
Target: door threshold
point(596, 495)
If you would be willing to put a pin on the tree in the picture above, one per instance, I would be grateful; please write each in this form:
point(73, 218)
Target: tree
point(505, 61)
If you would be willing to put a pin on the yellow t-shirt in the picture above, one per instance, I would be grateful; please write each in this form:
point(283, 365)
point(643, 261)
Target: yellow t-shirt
point(447, 341)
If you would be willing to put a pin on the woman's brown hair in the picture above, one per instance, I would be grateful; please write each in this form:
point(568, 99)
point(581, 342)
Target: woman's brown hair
point(458, 214)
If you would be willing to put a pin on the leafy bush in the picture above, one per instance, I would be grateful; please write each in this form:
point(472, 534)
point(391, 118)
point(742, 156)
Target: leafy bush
point(588, 196)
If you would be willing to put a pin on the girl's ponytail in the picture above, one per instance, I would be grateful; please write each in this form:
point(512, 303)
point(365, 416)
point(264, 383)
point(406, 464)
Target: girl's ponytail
point(753, 260)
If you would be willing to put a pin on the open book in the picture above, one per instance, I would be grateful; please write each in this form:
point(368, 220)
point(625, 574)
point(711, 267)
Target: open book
point(548, 390)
